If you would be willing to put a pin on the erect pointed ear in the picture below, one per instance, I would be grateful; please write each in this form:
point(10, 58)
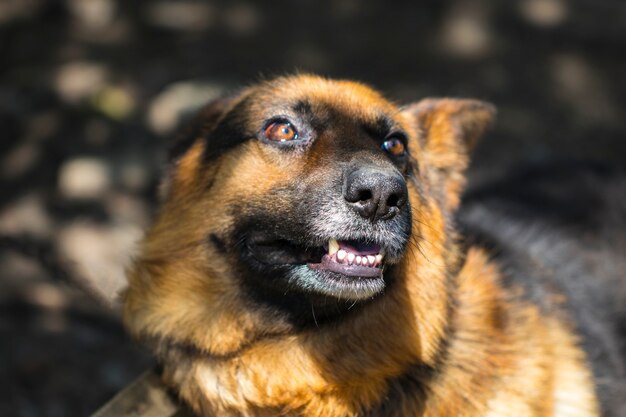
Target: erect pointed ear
point(447, 131)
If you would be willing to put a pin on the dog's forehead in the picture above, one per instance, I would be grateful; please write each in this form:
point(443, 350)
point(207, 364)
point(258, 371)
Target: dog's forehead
point(309, 94)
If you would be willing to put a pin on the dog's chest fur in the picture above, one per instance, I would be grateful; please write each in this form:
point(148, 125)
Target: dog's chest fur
point(493, 365)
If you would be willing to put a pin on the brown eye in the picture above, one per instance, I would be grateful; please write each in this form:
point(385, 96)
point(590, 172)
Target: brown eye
point(394, 146)
point(280, 132)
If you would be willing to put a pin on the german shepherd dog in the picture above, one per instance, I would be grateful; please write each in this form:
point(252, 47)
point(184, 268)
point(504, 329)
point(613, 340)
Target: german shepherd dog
point(306, 261)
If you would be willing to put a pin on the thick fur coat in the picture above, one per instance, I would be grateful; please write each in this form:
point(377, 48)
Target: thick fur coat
point(251, 312)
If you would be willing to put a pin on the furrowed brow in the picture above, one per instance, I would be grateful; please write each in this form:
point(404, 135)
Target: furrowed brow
point(379, 127)
point(304, 109)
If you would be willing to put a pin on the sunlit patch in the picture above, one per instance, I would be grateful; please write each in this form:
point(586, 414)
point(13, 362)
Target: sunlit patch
point(546, 13)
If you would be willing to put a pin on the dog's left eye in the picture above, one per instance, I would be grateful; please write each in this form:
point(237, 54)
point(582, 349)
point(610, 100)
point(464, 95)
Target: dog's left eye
point(394, 146)
point(280, 132)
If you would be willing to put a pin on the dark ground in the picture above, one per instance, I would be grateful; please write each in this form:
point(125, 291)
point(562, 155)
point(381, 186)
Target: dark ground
point(90, 91)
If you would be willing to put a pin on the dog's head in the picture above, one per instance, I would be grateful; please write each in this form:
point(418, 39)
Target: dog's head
point(293, 202)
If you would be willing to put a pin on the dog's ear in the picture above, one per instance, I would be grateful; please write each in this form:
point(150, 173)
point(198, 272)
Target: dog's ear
point(447, 131)
point(185, 155)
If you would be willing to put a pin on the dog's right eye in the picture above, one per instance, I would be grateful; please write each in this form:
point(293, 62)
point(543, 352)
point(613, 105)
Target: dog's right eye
point(394, 146)
point(280, 132)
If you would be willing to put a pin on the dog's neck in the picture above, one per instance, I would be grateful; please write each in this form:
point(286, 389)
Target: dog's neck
point(340, 368)
point(336, 369)
point(387, 361)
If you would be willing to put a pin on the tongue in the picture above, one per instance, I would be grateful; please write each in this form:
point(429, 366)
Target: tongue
point(359, 248)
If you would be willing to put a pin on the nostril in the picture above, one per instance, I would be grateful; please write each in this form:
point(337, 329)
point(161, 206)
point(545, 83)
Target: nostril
point(393, 200)
point(365, 195)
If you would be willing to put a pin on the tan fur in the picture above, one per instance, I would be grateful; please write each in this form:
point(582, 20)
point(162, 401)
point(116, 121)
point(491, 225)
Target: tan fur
point(504, 358)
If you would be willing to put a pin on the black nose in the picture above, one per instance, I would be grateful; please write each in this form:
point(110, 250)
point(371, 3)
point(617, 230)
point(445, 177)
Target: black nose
point(375, 194)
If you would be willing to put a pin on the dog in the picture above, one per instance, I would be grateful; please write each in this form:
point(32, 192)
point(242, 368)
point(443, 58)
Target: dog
point(307, 260)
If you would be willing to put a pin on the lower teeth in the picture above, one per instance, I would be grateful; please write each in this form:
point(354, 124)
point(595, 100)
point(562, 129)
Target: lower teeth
point(346, 258)
point(358, 260)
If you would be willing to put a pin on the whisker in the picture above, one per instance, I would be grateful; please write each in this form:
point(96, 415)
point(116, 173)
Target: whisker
point(314, 318)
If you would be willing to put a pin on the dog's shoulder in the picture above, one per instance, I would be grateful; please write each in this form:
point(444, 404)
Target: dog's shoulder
point(558, 232)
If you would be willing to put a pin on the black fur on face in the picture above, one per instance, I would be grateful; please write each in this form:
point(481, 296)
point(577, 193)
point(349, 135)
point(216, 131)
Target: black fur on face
point(279, 249)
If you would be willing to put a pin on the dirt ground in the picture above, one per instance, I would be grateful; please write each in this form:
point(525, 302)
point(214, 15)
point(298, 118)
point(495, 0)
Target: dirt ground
point(92, 90)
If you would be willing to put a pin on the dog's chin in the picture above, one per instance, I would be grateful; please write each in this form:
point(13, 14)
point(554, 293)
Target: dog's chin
point(353, 285)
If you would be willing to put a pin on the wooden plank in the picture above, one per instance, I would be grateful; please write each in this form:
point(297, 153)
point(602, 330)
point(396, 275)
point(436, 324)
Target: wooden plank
point(144, 397)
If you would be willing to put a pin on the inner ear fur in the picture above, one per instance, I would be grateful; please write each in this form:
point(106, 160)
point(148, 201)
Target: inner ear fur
point(185, 154)
point(448, 129)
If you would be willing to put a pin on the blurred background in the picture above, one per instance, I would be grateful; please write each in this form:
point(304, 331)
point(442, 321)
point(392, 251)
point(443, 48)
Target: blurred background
point(91, 92)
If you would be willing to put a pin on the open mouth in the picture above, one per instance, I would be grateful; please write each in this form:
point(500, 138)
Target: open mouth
point(353, 258)
point(348, 269)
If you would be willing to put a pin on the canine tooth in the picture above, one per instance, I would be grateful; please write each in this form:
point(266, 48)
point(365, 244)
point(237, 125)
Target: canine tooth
point(358, 260)
point(351, 258)
point(379, 258)
point(341, 255)
point(333, 247)
point(371, 259)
